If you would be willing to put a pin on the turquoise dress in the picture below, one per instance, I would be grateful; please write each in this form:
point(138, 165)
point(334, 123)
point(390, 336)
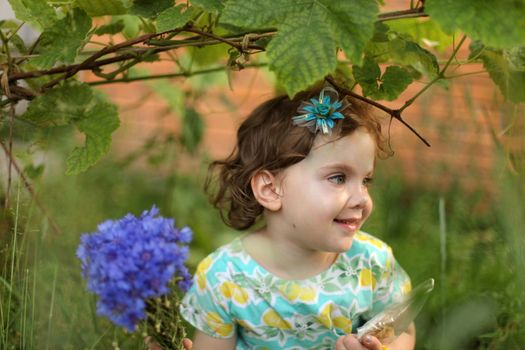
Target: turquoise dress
point(233, 294)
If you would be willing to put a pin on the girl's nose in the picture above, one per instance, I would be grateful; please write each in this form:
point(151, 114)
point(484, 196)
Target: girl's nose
point(357, 196)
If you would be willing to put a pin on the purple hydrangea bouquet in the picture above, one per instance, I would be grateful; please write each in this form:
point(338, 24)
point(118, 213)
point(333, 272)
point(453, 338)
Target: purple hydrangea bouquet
point(136, 266)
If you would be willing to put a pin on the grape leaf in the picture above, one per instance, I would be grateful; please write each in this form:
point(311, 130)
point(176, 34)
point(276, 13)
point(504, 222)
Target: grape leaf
point(62, 41)
point(104, 7)
point(209, 5)
point(506, 68)
point(148, 8)
point(400, 49)
point(258, 14)
point(367, 76)
point(36, 12)
point(387, 86)
point(393, 82)
point(173, 18)
point(295, 64)
point(425, 32)
point(499, 24)
point(353, 25)
point(87, 110)
point(112, 28)
point(304, 49)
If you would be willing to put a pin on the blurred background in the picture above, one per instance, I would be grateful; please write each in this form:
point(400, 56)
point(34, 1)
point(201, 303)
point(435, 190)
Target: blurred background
point(454, 211)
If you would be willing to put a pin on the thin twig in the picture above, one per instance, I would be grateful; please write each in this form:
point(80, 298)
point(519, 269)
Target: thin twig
point(172, 75)
point(30, 189)
point(411, 13)
point(394, 113)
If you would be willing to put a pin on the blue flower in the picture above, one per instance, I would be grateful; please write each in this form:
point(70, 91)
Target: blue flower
point(320, 113)
point(128, 261)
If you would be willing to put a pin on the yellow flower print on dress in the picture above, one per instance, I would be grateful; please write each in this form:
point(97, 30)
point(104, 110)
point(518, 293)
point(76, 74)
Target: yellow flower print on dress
point(325, 316)
point(367, 279)
point(295, 292)
point(201, 272)
point(331, 316)
point(232, 291)
point(217, 324)
point(372, 240)
point(272, 319)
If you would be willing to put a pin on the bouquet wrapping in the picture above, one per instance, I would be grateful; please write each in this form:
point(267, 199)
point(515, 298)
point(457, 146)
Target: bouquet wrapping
point(136, 267)
point(395, 319)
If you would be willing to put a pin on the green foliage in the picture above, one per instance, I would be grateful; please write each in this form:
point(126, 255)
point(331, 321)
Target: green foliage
point(386, 86)
point(499, 24)
point(62, 41)
point(36, 12)
point(87, 110)
point(295, 67)
point(209, 5)
point(96, 8)
point(506, 68)
point(148, 8)
point(301, 42)
point(192, 130)
point(324, 25)
point(172, 18)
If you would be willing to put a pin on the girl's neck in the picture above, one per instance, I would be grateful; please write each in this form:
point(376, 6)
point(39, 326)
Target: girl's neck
point(285, 259)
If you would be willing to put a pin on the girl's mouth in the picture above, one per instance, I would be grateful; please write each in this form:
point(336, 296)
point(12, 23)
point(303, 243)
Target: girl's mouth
point(350, 225)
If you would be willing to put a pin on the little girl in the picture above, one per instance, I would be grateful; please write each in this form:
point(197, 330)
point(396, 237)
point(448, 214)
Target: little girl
point(306, 277)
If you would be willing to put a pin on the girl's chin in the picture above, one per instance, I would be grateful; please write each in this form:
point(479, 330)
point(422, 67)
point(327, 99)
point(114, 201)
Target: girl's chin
point(344, 245)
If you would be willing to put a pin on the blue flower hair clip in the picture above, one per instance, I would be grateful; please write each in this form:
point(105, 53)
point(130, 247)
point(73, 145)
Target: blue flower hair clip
point(322, 112)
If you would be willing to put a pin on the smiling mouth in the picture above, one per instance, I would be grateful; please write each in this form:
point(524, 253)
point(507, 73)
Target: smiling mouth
point(348, 225)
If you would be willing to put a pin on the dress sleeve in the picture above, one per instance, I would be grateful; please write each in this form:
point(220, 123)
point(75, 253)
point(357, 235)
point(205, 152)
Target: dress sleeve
point(392, 284)
point(204, 307)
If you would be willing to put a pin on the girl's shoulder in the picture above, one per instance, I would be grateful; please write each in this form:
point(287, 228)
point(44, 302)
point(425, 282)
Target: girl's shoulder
point(370, 247)
point(226, 258)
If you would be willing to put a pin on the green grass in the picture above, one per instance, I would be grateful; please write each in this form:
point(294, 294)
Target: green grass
point(477, 302)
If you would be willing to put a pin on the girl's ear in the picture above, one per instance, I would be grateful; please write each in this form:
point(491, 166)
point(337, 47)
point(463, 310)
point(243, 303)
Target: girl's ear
point(265, 187)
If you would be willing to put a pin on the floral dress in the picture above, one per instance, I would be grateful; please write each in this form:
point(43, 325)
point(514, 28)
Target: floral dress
point(233, 294)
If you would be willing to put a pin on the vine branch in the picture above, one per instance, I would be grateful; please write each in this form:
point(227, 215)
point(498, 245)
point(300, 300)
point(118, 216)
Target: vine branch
point(394, 113)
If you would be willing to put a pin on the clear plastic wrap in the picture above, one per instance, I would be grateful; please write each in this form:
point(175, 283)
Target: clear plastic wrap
point(395, 319)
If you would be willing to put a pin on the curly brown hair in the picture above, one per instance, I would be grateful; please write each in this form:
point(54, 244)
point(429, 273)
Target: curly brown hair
point(268, 140)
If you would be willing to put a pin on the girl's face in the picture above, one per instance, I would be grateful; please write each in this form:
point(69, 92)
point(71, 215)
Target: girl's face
point(325, 197)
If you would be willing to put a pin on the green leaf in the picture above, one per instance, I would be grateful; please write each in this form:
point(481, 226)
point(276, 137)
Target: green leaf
point(353, 24)
point(192, 130)
point(18, 43)
point(63, 40)
point(132, 25)
point(426, 33)
point(402, 50)
point(258, 14)
point(500, 24)
point(149, 8)
point(296, 64)
point(36, 12)
point(506, 68)
point(209, 5)
point(87, 110)
point(367, 76)
point(309, 32)
point(388, 86)
point(103, 7)
point(394, 81)
point(173, 18)
point(112, 28)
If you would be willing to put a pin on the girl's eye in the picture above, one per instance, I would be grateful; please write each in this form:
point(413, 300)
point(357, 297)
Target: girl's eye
point(367, 181)
point(337, 179)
